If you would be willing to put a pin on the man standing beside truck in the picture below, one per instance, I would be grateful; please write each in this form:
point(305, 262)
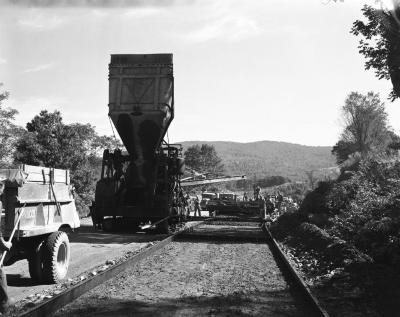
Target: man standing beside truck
point(197, 207)
point(4, 246)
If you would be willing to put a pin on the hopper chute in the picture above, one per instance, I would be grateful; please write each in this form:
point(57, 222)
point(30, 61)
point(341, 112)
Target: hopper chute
point(141, 106)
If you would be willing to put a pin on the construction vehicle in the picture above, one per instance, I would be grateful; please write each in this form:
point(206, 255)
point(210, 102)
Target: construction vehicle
point(225, 202)
point(206, 198)
point(143, 187)
point(39, 209)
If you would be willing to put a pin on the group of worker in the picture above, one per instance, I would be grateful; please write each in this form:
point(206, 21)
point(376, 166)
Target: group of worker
point(267, 203)
point(186, 202)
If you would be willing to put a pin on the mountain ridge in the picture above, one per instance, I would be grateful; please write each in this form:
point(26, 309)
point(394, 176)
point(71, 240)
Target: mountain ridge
point(270, 158)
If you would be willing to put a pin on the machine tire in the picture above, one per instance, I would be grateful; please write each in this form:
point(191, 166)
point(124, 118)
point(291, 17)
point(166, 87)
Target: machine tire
point(35, 262)
point(108, 224)
point(163, 227)
point(56, 254)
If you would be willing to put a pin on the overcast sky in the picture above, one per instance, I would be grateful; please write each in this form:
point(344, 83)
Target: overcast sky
point(244, 70)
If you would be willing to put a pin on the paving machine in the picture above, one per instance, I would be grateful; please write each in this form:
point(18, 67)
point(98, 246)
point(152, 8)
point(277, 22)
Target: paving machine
point(143, 186)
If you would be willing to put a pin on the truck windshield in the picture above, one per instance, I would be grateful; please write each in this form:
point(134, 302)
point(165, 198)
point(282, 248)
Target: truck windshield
point(208, 195)
point(226, 196)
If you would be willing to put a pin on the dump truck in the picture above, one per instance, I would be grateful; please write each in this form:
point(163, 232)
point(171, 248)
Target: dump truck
point(142, 187)
point(39, 209)
point(224, 202)
point(206, 198)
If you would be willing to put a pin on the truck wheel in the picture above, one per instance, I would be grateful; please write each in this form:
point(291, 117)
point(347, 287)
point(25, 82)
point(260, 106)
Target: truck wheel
point(163, 227)
point(108, 225)
point(35, 263)
point(56, 253)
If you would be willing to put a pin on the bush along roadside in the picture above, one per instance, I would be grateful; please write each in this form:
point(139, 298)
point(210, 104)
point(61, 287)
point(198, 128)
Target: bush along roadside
point(347, 281)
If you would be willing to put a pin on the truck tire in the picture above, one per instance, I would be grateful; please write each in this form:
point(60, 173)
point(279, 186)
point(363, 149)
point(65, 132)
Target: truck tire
point(163, 227)
point(56, 254)
point(108, 225)
point(35, 262)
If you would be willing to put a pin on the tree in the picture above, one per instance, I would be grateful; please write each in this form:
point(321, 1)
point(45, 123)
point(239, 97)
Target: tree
point(49, 142)
point(365, 127)
point(342, 150)
point(380, 43)
point(102, 142)
point(395, 144)
point(203, 159)
point(9, 131)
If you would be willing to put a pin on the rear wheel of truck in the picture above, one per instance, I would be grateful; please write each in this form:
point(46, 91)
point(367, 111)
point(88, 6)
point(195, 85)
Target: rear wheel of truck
point(35, 262)
point(56, 254)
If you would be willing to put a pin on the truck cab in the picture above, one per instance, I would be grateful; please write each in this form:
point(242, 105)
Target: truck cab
point(206, 198)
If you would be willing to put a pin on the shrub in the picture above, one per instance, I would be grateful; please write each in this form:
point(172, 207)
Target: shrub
point(364, 209)
point(315, 237)
point(287, 223)
point(315, 201)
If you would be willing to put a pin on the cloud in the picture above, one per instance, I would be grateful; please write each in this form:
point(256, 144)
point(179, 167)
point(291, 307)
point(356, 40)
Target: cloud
point(90, 3)
point(222, 19)
point(38, 68)
point(35, 20)
point(98, 13)
point(3, 61)
point(141, 12)
point(231, 28)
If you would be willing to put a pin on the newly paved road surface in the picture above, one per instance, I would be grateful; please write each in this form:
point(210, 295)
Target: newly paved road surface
point(211, 276)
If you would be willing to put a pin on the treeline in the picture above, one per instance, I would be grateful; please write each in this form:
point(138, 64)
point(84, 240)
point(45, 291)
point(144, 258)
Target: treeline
point(267, 158)
point(205, 159)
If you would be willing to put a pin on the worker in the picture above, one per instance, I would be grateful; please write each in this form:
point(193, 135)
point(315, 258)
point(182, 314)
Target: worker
point(245, 198)
point(262, 206)
point(257, 190)
point(270, 205)
point(187, 205)
point(197, 206)
point(279, 200)
point(4, 246)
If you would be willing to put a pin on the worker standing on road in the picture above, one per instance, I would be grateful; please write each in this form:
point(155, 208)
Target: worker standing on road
point(270, 206)
point(197, 207)
point(245, 198)
point(4, 246)
point(279, 200)
point(187, 205)
point(257, 190)
point(262, 206)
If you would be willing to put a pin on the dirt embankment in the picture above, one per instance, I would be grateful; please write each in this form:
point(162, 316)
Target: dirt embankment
point(345, 280)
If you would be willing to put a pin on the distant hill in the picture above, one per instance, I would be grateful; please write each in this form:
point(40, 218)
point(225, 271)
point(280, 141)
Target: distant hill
point(269, 158)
